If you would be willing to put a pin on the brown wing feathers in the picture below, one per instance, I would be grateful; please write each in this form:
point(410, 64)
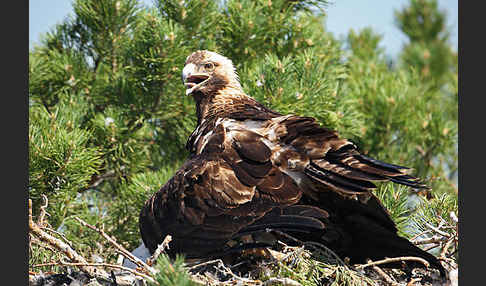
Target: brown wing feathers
point(298, 218)
point(232, 184)
point(215, 194)
point(336, 163)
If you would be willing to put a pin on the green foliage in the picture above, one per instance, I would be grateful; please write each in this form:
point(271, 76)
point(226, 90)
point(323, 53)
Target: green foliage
point(61, 161)
point(428, 50)
point(435, 212)
point(364, 45)
point(132, 197)
point(404, 118)
point(310, 269)
point(108, 118)
point(299, 84)
point(172, 273)
point(396, 200)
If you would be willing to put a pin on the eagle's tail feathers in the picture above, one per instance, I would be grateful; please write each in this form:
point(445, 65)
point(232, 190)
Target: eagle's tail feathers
point(408, 181)
point(380, 164)
point(338, 182)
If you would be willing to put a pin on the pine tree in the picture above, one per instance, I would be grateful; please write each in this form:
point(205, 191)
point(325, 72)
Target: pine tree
point(108, 118)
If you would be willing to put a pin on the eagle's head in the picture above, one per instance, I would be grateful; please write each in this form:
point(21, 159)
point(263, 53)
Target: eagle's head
point(207, 72)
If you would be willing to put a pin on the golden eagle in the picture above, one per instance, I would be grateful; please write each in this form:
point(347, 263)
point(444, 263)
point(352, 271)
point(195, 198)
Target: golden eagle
point(251, 169)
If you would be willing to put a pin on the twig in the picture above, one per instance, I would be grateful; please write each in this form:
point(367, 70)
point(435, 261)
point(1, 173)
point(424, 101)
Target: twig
point(385, 276)
point(316, 245)
point(296, 252)
point(413, 280)
point(96, 180)
point(452, 253)
point(432, 247)
point(223, 269)
point(420, 234)
point(58, 233)
point(121, 249)
point(76, 259)
point(446, 247)
point(164, 245)
point(449, 261)
point(313, 243)
point(437, 230)
point(219, 261)
point(284, 235)
point(64, 263)
point(281, 281)
point(395, 259)
point(43, 212)
point(42, 244)
point(429, 240)
point(63, 247)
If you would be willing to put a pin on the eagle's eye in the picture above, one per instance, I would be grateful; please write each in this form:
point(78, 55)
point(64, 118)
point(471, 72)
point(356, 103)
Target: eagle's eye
point(209, 66)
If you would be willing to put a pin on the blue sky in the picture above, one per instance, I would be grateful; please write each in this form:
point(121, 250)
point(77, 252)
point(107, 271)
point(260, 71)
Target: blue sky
point(343, 15)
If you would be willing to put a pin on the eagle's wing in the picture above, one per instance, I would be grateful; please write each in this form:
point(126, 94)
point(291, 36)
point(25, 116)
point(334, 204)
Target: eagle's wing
point(333, 161)
point(330, 168)
point(286, 173)
point(228, 185)
point(243, 169)
point(336, 178)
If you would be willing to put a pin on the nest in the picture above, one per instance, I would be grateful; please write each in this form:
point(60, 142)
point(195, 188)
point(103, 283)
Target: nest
point(303, 264)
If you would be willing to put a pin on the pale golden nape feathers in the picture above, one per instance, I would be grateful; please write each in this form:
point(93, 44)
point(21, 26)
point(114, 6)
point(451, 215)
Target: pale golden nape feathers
point(207, 72)
point(252, 169)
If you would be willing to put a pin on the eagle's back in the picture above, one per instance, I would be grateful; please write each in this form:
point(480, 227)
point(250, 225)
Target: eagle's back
point(248, 174)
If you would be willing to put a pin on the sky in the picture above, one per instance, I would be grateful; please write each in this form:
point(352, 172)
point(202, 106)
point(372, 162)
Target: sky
point(343, 15)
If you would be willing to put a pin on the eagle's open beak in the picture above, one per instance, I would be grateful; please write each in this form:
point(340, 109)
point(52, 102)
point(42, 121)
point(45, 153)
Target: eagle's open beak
point(192, 79)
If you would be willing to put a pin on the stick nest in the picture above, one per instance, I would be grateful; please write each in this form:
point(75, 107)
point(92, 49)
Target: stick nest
point(303, 265)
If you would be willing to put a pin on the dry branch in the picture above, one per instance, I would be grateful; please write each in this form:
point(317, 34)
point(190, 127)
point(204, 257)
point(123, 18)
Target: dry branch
point(446, 247)
point(281, 281)
point(437, 230)
point(313, 244)
point(413, 280)
point(394, 259)
point(58, 233)
point(430, 240)
point(385, 276)
point(43, 212)
point(432, 247)
point(162, 247)
point(120, 248)
point(63, 247)
point(222, 268)
point(64, 263)
point(76, 260)
point(420, 234)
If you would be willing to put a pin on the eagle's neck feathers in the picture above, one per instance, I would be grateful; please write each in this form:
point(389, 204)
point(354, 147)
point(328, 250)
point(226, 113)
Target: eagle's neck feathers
point(220, 103)
point(229, 102)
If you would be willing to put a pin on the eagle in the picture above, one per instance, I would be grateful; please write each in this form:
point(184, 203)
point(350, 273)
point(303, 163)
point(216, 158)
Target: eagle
point(252, 169)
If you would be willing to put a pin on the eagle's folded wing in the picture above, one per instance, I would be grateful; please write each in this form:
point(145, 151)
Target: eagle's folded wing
point(225, 188)
point(335, 162)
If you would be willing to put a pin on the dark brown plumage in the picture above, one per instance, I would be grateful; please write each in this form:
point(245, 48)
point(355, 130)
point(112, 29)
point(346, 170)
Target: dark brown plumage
point(252, 168)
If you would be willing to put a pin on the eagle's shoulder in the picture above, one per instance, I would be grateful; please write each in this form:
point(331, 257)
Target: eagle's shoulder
point(250, 109)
